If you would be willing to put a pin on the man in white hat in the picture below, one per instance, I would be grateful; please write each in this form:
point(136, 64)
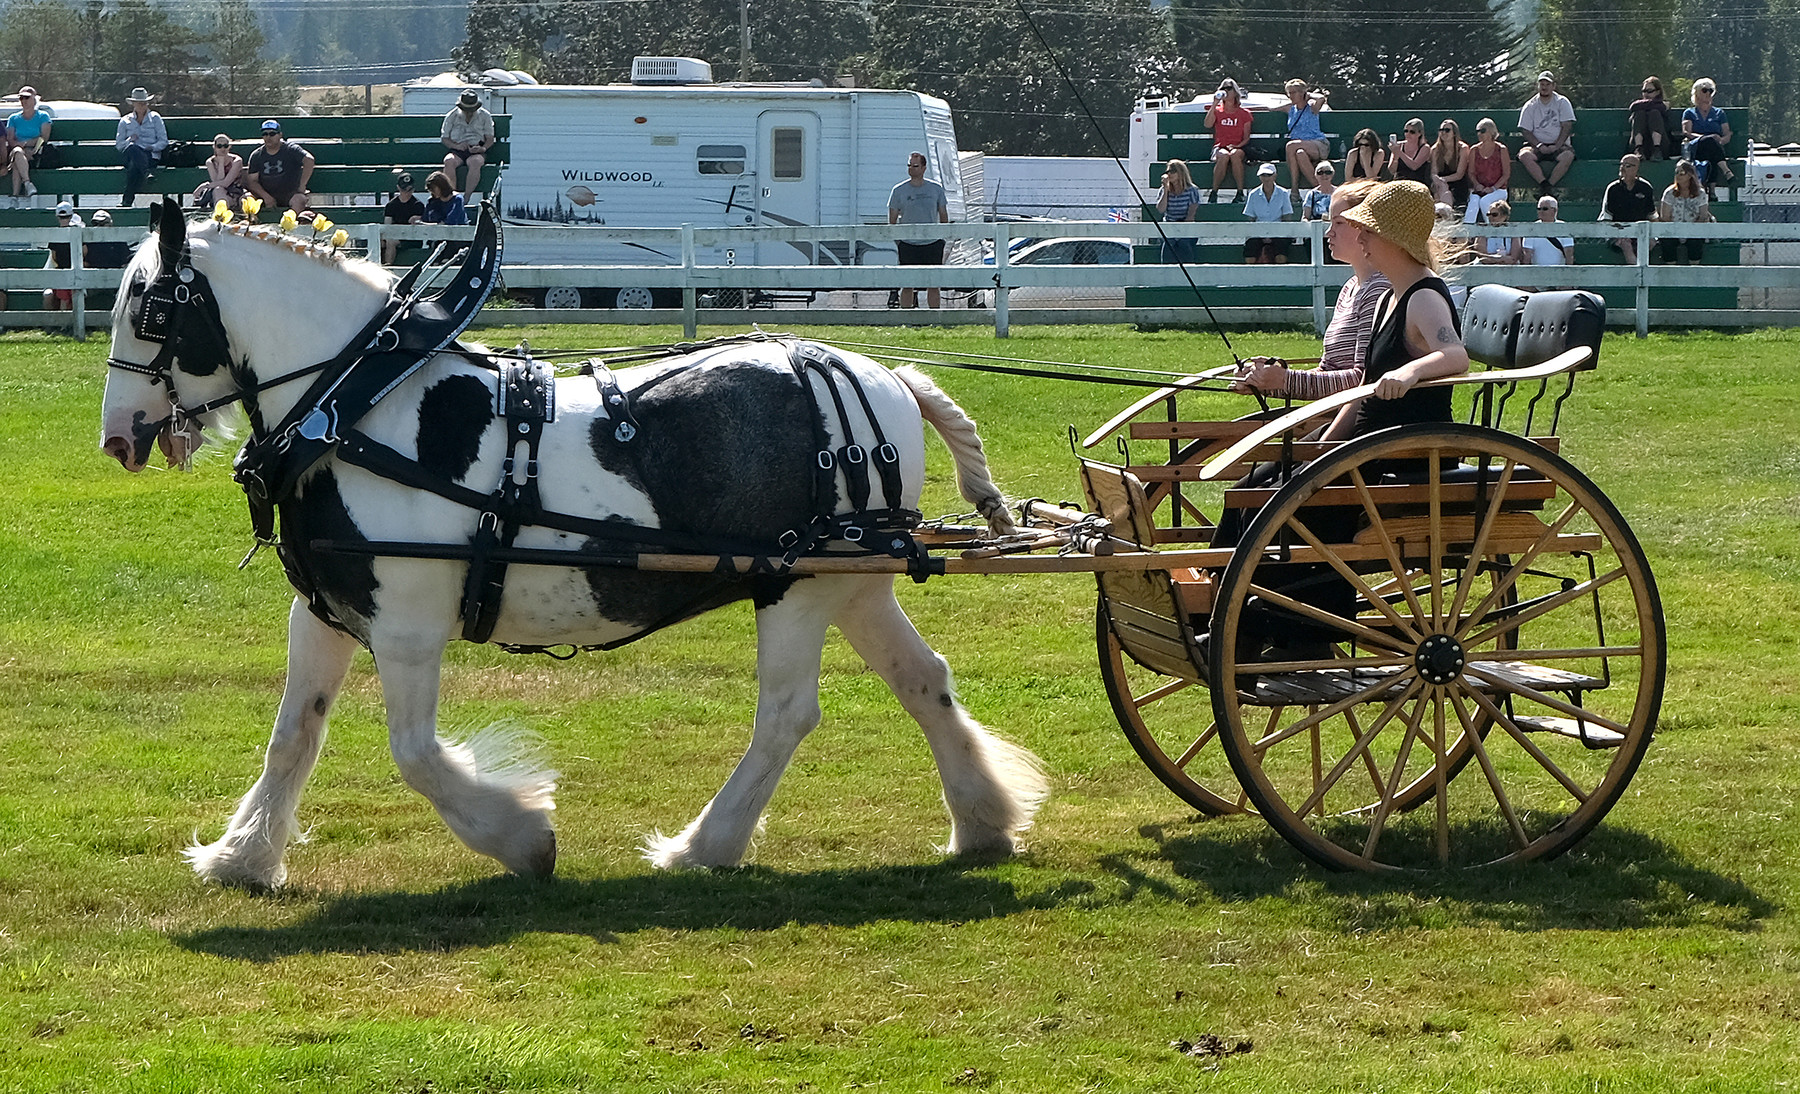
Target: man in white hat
point(1546, 119)
point(468, 133)
point(141, 139)
point(1267, 204)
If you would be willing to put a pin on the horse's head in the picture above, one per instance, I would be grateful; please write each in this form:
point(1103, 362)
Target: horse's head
point(205, 314)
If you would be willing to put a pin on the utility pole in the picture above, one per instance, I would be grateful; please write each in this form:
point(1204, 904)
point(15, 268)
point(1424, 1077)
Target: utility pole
point(744, 40)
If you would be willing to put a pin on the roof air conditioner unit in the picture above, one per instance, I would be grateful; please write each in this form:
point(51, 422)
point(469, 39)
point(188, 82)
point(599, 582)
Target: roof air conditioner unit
point(670, 70)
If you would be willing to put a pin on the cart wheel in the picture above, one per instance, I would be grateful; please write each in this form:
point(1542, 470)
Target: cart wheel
point(1500, 610)
point(1169, 722)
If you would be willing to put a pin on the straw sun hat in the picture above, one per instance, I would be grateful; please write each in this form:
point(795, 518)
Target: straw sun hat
point(1402, 213)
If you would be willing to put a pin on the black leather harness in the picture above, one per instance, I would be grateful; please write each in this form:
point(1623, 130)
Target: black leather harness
point(178, 311)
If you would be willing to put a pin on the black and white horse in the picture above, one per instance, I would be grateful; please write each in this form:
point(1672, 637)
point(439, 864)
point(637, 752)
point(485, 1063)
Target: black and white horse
point(726, 446)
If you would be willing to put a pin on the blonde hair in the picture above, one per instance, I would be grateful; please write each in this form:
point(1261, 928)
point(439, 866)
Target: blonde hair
point(1705, 83)
point(1177, 169)
point(1292, 84)
point(1501, 207)
point(1354, 193)
point(1441, 148)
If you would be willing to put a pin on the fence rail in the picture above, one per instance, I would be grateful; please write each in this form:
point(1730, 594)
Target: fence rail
point(699, 282)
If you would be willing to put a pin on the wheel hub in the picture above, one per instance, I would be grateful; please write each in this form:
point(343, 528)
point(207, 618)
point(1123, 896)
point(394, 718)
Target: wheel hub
point(1439, 659)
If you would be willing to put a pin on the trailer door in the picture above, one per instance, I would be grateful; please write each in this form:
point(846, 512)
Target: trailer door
point(787, 180)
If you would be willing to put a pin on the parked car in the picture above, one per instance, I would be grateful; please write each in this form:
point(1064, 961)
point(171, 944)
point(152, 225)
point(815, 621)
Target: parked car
point(1068, 251)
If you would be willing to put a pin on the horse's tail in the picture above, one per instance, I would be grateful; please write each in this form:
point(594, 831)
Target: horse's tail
point(972, 476)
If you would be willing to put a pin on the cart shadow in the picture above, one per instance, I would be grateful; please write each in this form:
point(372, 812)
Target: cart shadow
point(1617, 878)
point(500, 909)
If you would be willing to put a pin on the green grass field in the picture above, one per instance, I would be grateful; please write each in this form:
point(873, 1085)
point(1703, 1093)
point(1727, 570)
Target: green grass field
point(139, 672)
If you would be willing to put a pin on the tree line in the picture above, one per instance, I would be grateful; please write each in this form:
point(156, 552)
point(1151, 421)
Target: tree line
point(1001, 64)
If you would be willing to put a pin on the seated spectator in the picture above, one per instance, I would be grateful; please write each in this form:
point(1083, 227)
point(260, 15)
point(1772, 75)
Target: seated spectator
point(1546, 119)
point(1488, 169)
point(1628, 199)
point(1500, 250)
point(1306, 146)
point(1230, 124)
point(28, 131)
point(445, 205)
point(110, 255)
point(62, 299)
point(1410, 157)
point(1365, 159)
point(1179, 203)
point(279, 172)
point(1316, 205)
point(1684, 203)
point(1652, 125)
point(1707, 133)
point(224, 177)
point(468, 133)
point(1547, 250)
point(140, 140)
point(1267, 204)
point(1450, 163)
point(405, 208)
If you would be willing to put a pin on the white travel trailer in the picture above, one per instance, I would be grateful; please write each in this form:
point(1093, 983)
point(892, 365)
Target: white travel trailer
point(674, 148)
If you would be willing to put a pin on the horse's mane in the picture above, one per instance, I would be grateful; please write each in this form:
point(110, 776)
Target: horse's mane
point(296, 246)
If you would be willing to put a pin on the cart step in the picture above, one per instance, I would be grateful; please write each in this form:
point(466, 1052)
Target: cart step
point(1591, 735)
point(1325, 686)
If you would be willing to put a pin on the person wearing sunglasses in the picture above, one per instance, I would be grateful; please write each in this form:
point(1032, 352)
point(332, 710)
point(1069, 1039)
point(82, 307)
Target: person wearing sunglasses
point(1488, 167)
point(1450, 163)
point(28, 131)
point(1365, 159)
point(224, 177)
point(1653, 127)
point(1410, 157)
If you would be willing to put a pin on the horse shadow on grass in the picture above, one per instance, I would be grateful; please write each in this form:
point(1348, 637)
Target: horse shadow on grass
point(1617, 878)
point(498, 909)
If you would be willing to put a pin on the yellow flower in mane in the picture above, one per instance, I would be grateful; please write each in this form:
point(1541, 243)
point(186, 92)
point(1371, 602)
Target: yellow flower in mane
point(320, 225)
point(222, 213)
point(339, 238)
point(251, 206)
point(288, 220)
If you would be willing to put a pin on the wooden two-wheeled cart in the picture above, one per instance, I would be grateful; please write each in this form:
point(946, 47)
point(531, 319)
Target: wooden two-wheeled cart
point(1434, 645)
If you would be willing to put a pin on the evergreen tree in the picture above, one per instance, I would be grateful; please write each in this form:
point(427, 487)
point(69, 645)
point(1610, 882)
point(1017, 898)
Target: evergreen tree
point(247, 81)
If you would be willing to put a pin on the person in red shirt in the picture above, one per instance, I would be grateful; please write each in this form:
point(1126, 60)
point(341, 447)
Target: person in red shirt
point(1230, 124)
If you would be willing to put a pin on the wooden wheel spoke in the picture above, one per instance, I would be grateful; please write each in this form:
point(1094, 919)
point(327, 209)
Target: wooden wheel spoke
point(1546, 699)
point(1379, 527)
point(1360, 748)
point(1386, 806)
point(1435, 571)
point(1440, 776)
point(1355, 579)
point(1271, 739)
point(1487, 769)
point(1542, 607)
point(1168, 689)
point(1319, 615)
point(1512, 575)
point(1499, 716)
point(1187, 756)
point(1479, 547)
point(1347, 663)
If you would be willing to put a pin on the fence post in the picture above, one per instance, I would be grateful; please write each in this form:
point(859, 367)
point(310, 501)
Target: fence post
point(78, 299)
point(1642, 230)
point(690, 313)
point(1002, 241)
point(372, 243)
point(1321, 314)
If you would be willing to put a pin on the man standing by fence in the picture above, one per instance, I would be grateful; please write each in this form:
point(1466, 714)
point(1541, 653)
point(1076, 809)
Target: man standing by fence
point(918, 200)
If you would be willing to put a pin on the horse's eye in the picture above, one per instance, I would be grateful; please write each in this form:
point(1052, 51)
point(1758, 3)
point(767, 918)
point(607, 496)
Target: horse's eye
point(137, 286)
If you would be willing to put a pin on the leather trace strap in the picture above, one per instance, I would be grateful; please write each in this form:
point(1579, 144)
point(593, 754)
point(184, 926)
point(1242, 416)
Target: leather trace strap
point(526, 402)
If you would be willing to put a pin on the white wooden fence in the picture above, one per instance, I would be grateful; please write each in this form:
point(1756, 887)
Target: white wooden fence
point(1778, 304)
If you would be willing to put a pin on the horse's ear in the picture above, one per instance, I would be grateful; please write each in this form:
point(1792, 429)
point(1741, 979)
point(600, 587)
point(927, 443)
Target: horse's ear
point(171, 230)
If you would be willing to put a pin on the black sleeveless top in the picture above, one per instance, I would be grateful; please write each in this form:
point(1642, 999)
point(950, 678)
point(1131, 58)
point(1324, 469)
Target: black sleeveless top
point(1388, 351)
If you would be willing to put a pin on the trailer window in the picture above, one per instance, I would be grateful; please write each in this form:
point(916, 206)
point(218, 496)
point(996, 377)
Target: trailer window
point(787, 152)
point(721, 159)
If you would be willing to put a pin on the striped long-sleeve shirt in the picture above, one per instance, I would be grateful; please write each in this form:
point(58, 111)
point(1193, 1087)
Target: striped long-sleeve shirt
point(1346, 341)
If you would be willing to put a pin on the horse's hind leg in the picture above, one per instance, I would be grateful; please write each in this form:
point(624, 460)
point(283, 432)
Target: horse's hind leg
point(495, 799)
point(790, 637)
point(251, 850)
point(992, 787)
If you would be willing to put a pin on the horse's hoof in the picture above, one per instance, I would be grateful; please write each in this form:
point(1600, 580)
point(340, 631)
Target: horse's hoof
point(543, 864)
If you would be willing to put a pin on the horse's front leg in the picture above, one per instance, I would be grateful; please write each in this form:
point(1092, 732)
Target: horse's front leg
point(488, 790)
point(251, 851)
point(790, 638)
